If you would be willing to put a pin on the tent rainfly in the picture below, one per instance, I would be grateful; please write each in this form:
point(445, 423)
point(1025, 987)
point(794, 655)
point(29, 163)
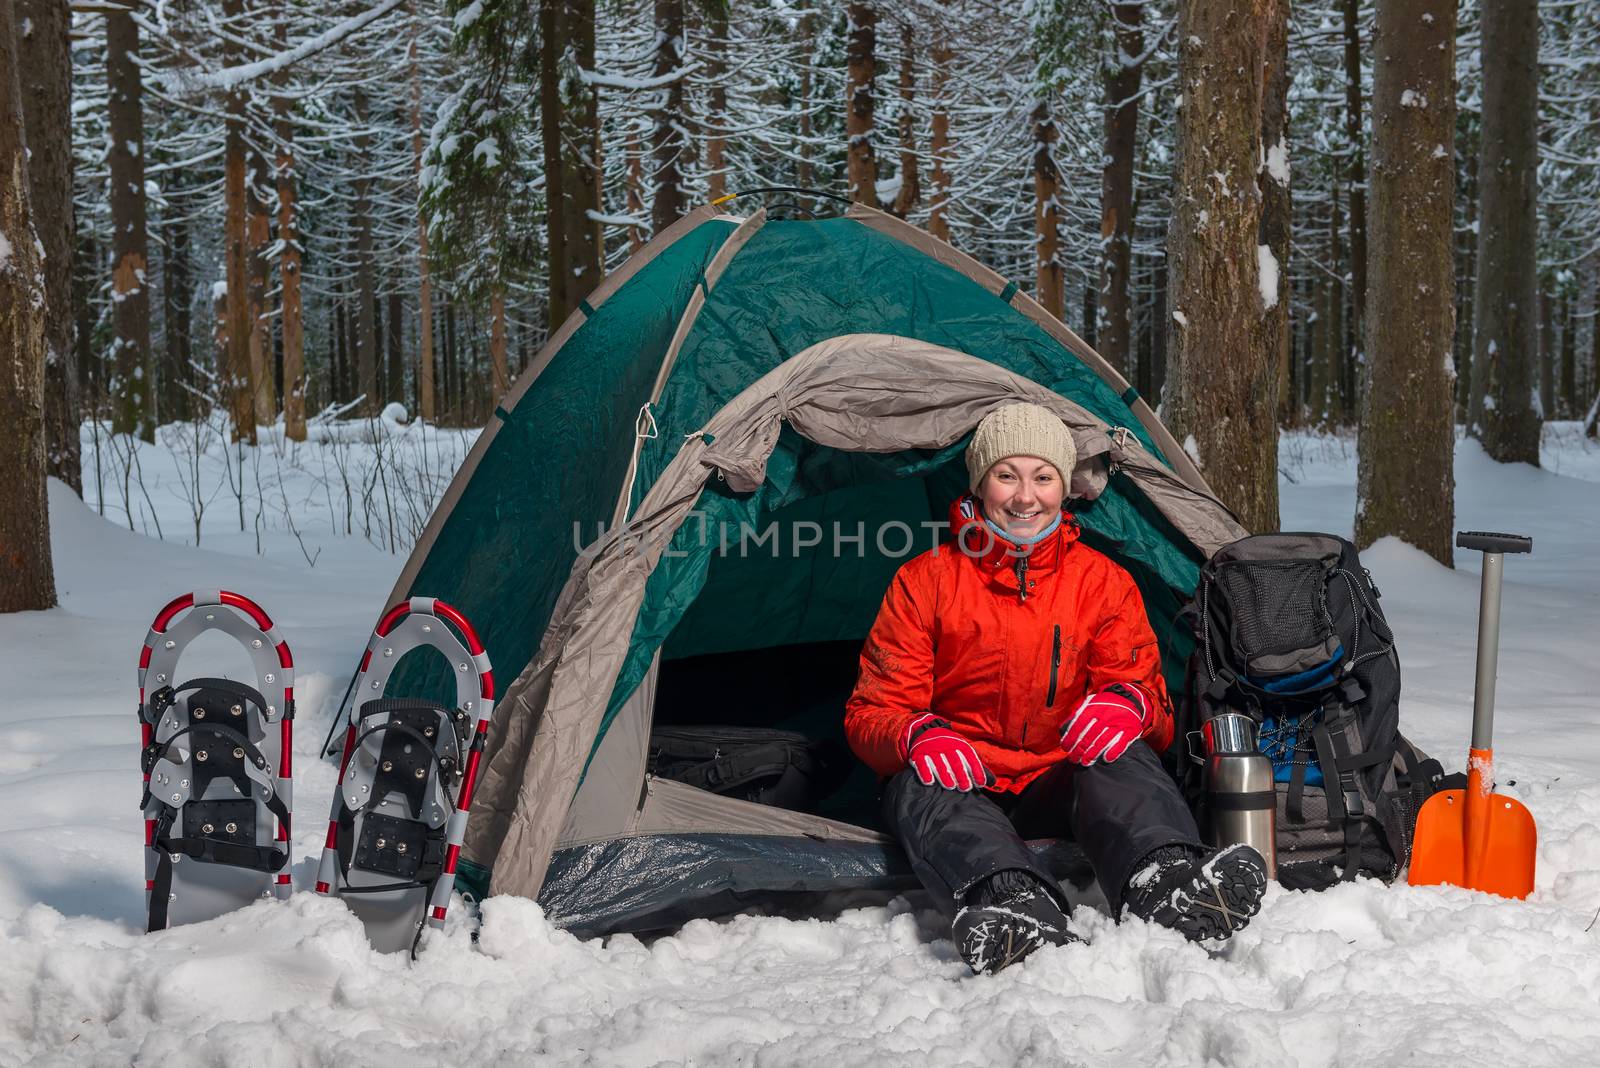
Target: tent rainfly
point(687, 511)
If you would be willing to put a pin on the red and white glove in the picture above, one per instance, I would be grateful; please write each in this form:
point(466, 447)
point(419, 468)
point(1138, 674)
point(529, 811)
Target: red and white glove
point(938, 754)
point(1106, 724)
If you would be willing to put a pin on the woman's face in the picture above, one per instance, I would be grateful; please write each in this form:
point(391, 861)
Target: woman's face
point(1022, 494)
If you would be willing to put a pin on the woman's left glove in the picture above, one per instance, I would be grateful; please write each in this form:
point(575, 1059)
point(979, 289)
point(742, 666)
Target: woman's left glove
point(1106, 723)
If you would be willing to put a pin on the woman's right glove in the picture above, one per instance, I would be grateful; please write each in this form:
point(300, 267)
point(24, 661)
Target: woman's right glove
point(938, 754)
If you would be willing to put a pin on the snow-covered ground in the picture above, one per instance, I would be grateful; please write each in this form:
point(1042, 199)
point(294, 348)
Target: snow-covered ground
point(1363, 974)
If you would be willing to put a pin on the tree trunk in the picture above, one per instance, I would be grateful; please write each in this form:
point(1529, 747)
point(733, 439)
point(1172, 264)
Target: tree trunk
point(580, 157)
point(27, 579)
point(425, 397)
point(236, 377)
point(1467, 281)
point(1338, 349)
point(860, 70)
point(1319, 378)
point(667, 143)
point(910, 191)
point(939, 206)
point(1406, 447)
point(1567, 399)
point(1547, 352)
point(497, 345)
point(1591, 425)
point(1358, 168)
point(45, 68)
point(1158, 334)
point(1224, 356)
point(130, 291)
point(452, 364)
point(634, 153)
point(1122, 74)
point(291, 307)
point(85, 281)
point(258, 234)
point(176, 286)
point(378, 334)
point(1090, 303)
point(1049, 280)
point(716, 122)
point(1505, 308)
point(551, 46)
point(1276, 210)
point(341, 352)
point(366, 280)
point(394, 328)
point(803, 174)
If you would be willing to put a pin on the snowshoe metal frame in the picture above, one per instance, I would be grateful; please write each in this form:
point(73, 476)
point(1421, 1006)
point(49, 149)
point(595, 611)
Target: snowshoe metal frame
point(385, 905)
point(165, 718)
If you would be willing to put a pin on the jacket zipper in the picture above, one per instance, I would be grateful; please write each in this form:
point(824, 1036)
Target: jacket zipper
point(1022, 578)
point(1055, 667)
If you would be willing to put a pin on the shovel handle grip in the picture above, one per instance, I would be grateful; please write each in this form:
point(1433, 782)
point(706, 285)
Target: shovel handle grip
point(1485, 541)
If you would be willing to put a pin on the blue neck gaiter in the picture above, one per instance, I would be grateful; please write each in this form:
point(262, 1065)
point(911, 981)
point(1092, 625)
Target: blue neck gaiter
point(1004, 535)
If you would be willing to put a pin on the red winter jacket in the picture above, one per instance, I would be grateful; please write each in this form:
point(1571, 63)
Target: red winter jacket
point(959, 636)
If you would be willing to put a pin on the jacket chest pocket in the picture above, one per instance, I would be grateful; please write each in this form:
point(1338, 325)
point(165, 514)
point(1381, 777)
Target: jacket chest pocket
point(1055, 667)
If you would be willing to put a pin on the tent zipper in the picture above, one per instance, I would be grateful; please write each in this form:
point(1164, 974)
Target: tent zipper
point(1055, 667)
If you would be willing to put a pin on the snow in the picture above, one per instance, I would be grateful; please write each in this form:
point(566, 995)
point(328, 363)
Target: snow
point(1278, 163)
point(5, 252)
point(231, 77)
point(487, 150)
point(1350, 976)
point(1267, 279)
point(618, 81)
point(468, 15)
point(1410, 98)
point(1180, 318)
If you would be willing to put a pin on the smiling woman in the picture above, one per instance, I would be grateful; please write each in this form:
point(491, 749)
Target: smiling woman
point(1011, 687)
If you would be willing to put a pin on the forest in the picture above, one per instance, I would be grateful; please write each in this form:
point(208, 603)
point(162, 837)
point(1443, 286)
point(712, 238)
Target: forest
point(1377, 217)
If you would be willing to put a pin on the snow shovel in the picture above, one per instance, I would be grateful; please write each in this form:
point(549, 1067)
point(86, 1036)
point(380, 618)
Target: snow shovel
point(1472, 837)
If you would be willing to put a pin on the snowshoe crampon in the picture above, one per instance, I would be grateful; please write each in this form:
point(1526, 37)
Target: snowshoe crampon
point(406, 779)
point(216, 762)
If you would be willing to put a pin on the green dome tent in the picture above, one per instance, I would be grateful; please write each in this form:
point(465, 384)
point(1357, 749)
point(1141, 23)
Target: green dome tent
point(803, 385)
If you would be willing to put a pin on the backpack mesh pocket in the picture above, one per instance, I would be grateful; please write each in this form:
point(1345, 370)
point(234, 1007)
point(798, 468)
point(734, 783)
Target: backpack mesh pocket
point(1279, 616)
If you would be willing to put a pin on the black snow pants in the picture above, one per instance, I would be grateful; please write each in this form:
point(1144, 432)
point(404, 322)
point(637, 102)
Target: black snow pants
point(1116, 812)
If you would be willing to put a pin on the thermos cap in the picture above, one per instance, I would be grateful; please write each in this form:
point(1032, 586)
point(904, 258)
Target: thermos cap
point(1231, 732)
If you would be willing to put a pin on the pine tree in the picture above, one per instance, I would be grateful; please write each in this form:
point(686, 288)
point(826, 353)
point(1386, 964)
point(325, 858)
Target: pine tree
point(1222, 388)
point(1505, 307)
point(27, 581)
point(1405, 484)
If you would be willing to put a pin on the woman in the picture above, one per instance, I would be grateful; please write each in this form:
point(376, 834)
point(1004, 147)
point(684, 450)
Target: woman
point(1012, 687)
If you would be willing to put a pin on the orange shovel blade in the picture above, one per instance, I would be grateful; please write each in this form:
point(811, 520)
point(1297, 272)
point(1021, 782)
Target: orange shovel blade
point(1498, 858)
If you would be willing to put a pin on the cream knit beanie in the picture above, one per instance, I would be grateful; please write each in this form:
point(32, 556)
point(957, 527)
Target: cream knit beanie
point(1020, 430)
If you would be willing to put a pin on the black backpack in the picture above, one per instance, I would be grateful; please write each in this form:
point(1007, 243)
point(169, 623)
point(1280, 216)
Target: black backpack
point(769, 767)
point(1288, 630)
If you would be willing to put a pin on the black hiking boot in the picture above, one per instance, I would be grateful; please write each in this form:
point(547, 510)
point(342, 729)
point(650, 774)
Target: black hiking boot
point(1008, 916)
point(1200, 895)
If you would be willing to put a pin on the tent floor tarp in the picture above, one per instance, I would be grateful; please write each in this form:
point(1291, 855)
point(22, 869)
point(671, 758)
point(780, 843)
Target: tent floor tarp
point(656, 882)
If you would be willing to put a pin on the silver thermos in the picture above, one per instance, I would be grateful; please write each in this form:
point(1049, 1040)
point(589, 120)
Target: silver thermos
point(1240, 794)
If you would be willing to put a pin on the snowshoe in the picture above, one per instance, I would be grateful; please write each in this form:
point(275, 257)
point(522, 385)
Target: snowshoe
point(1006, 918)
point(1199, 894)
point(406, 779)
point(216, 762)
